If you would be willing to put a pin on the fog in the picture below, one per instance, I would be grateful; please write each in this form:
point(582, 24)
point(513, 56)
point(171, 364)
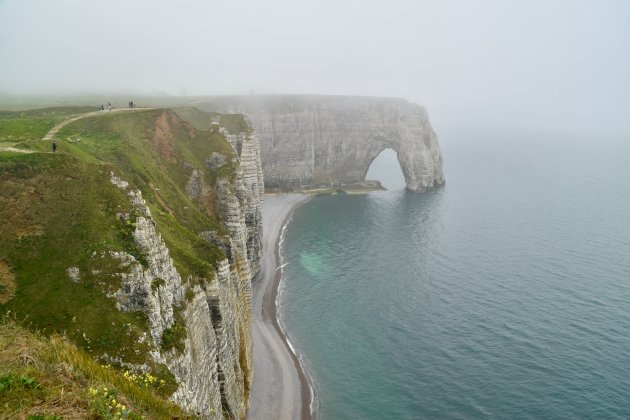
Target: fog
point(560, 64)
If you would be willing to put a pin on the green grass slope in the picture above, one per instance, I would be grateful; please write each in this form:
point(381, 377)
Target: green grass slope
point(155, 151)
point(50, 378)
point(60, 211)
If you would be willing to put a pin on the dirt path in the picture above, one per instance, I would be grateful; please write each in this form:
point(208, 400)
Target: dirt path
point(13, 149)
point(51, 133)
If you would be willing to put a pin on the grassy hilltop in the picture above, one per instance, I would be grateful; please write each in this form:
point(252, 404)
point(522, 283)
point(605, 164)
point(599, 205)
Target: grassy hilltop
point(60, 211)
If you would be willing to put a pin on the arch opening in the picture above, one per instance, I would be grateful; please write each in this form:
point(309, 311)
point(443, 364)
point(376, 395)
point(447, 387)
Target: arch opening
point(386, 169)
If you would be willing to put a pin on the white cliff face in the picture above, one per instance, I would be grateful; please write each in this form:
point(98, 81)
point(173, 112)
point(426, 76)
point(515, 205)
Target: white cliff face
point(249, 189)
point(319, 141)
point(157, 291)
point(139, 291)
point(215, 367)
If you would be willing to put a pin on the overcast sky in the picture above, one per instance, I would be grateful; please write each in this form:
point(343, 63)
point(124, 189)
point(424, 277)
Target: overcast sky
point(563, 64)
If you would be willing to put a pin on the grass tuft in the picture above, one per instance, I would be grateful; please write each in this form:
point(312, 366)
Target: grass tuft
point(174, 337)
point(48, 377)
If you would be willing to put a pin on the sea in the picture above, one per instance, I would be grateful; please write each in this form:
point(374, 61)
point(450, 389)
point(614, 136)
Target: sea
point(505, 294)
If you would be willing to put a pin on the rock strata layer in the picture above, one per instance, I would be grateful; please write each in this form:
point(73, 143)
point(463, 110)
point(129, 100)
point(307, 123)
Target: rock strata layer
point(326, 141)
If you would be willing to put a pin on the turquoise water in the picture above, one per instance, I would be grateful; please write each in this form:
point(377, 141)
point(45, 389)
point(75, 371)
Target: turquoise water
point(505, 294)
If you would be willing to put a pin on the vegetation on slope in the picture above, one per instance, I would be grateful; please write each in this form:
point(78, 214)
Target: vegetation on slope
point(155, 151)
point(48, 377)
point(60, 212)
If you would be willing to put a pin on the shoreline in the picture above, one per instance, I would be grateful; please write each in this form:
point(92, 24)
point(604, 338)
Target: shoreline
point(306, 388)
point(280, 387)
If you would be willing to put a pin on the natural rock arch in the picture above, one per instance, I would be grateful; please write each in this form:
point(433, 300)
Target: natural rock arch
point(418, 157)
point(322, 141)
point(378, 163)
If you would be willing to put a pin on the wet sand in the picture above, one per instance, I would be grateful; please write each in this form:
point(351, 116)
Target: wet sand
point(280, 389)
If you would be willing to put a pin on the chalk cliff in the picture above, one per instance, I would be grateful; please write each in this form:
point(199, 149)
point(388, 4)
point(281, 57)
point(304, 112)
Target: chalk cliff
point(213, 363)
point(215, 367)
point(144, 234)
point(323, 141)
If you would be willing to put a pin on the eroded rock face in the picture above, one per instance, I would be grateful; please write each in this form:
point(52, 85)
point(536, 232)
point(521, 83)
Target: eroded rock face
point(319, 141)
point(214, 369)
point(248, 188)
point(157, 290)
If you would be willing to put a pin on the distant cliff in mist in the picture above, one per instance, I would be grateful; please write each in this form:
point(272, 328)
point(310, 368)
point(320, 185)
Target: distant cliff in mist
point(310, 141)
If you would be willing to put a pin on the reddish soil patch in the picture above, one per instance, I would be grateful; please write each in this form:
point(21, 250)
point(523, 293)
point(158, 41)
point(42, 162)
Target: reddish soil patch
point(162, 202)
point(177, 121)
point(163, 138)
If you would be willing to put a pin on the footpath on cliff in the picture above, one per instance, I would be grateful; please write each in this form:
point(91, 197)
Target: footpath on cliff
point(54, 130)
point(51, 133)
point(280, 389)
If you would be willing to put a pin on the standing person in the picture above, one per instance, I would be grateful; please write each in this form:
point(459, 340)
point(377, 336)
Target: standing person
point(109, 106)
point(54, 146)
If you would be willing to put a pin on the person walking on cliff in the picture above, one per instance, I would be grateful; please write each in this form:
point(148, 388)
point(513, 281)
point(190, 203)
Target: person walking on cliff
point(54, 146)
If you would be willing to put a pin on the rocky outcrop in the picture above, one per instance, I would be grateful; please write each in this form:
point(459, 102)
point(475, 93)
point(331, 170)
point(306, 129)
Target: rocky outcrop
point(213, 362)
point(322, 141)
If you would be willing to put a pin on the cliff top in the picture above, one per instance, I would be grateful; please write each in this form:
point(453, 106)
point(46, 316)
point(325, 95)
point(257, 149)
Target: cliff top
point(299, 102)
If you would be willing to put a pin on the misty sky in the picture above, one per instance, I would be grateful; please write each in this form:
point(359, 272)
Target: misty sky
point(561, 64)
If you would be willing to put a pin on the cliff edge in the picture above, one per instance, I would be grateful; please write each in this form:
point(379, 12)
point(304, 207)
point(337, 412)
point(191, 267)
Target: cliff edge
point(137, 241)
